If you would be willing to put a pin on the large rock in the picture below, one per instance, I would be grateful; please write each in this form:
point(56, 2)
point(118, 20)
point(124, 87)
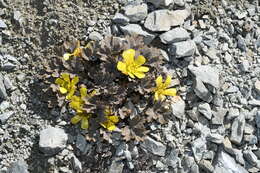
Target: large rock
point(226, 164)
point(237, 129)
point(158, 3)
point(204, 109)
point(174, 35)
point(163, 20)
point(120, 19)
point(154, 147)
point(52, 140)
point(182, 49)
point(201, 91)
point(207, 74)
point(136, 12)
point(134, 29)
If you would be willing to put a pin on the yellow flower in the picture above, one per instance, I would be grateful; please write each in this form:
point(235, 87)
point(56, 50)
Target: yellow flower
point(76, 53)
point(83, 117)
point(132, 66)
point(78, 102)
point(161, 88)
point(66, 85)
point(111, 120)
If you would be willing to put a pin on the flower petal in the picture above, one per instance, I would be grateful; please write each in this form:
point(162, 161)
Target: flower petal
point(128, 56)
point(131, 75)
point(140, 60)
point(66, 56)
point(167, 82)
point(121, 66)
point(140, 75)
point(143, 69)
point(75, 80)
point(170, 92)
point(76, 119)
point(159, 81)
point(156, 96)
point(71, 92)
point(66, 77)
point(113, 118)
point(83, 92)
point(111, 127)
point(84, 122)
point(63, 90)
point(59, 81)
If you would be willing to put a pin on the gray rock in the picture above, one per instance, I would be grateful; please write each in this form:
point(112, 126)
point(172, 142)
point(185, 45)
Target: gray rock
point(3, 93)
point(250, 157)
point(95, 36)
point(178, 109)
point(163, 20)
point(174, 35)
point(226, 164)
point(172, 159)
point(245, 66)
point(204, 109)
point(257, 87)
point(212, 54)
point(4, 105)
point(201, 91)
point(2, 24)
point(8, 66)
point(76, 164)
point(136, 12)
point(237, 129)
point(198, 148)
point(81, 143)
point(218, 116)
point(121, 19)
point(116, 167)
point(18, 167)
point(241, 44)
point(257, 119)
point(162, 3)
point(5, 116)
point(8, 83)
point(128, 155)
point(134, 29)
point(154, 147)
point(52, 140)
point(215, 138)
point(254, 102)
point(207, 74)
point(182, 49)
point(206, 165)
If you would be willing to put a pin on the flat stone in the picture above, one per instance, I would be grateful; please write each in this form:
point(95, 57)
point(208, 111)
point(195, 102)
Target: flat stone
point(206, 73)
point(163, 20)
point(172, 159)
point(254, 102)
point(174, 35)
point(206, 165)
point(201, 91)
point(121, 19)
point(136, 12)
point(178, 109)
point(199, 147)
point(257, 87)
point(204, 109)
point(3, 93)
point(52, 140)
point(182, 49)
point(2, 24)
point(95, 36)
point(250, 157)
point(226, 164)
point(215, 138)
point(155, 147)
point(19, 166)
point(218, 116)
point(116, 167)
point(163, 3)
point(5, 116)
point(237, 129)
point(76, 164)
point(134, 29)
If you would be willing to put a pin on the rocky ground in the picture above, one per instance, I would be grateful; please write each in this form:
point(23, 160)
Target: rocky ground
point(212, 49)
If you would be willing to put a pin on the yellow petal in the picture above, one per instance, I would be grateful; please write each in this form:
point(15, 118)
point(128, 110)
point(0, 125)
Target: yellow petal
point(83, 92)
point(156, 96)
point(143, 69)
point(66, 56)
point(128, 56)
point(111, 127)
point(140, 75)
point(113, 118)
point(121, 66)
point(75, 80)
point(71, 93)
point(170, 92)
point(108, 125)
point(158, 81)
point(76, 119)
point(92, 93)
point(66, 77)
point(167, 81)
point(140, 60)
point(131, 75)
point(59, 81)
point(84, 123)
point(63, 90)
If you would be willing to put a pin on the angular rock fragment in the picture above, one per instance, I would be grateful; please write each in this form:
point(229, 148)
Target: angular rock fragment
point(154, 147)
point(198, 148)
point(134, 29)
point(120, 19)
point(178, 109)
point(5, 116)
point(237, 129)
point(116, 167)
point(18, 167)
point(3, 93)
point(182, 49)
point(174, 35)
point(206, 166)
point(204, 109)
point(201, 91)
point(136, 12)
point(207, 74)
point(2, 24)
point(250, 157)
point(52, 140)
point(218, 116)
point(158, 3)
point(215, 138)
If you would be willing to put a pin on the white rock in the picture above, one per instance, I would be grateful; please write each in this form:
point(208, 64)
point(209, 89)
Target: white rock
point(154, 147)
point(257, 86)
point(204, 109)
point(237, 129)
point(134, 29)
point(174, 35)
point(120, 19)
point(136, 12)
point(178, 109)
point(183, 49)
point(201, 91)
